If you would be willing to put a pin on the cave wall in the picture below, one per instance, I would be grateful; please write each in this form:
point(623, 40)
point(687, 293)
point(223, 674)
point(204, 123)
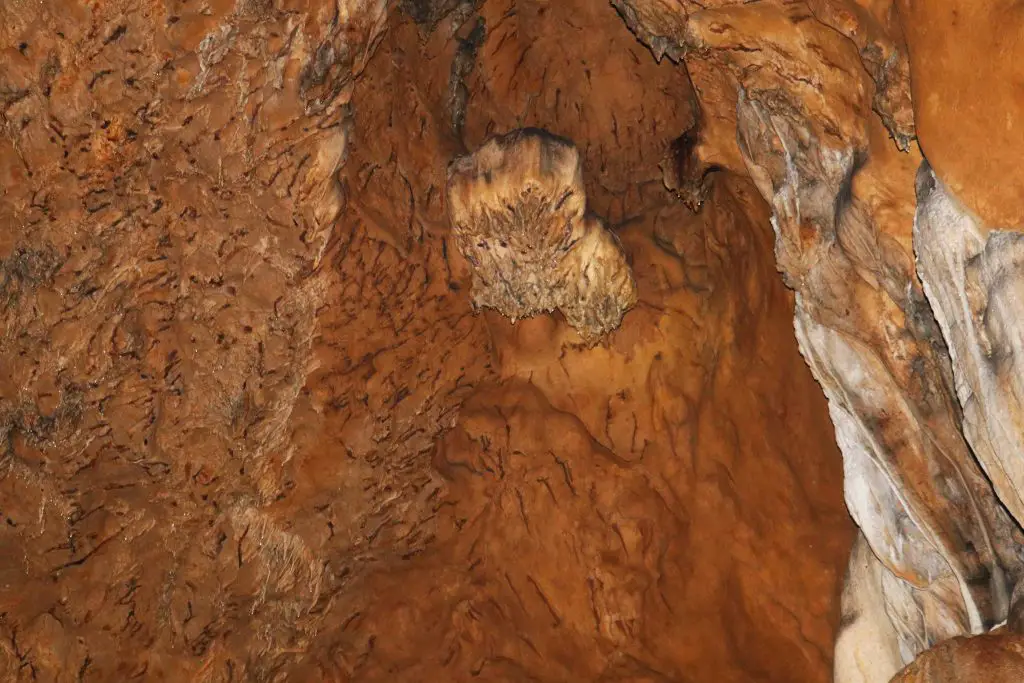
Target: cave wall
point(885, 156)
point(254, 428)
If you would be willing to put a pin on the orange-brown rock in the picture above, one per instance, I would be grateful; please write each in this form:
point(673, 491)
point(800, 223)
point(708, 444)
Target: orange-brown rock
point(989, 659)
point(597, 526)
point(966, 82)
point(620, 133)
point(450, 340)
point(253, 430)
point(917, 385)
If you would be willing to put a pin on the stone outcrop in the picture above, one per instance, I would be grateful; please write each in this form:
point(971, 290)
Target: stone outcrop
point(973, 276)
point(519, 216)
point(920, 381)
point(994, 658)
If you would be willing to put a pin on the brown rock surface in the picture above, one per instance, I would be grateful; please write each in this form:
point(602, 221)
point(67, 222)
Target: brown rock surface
point(922, 381)
point(983, 659)
point(425, 340)
point(968, 101)
point(253, 429)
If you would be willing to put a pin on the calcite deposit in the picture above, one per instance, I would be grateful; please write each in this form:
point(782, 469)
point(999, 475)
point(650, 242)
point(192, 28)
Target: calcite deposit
point(519, 216)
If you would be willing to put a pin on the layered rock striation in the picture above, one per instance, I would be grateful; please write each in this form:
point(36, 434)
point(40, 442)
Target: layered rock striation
point(905, 296)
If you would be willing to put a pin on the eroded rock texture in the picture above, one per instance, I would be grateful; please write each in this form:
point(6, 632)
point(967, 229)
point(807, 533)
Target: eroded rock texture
point(169, 193)
point(973, 276)
point(996, 658)
point(253, 429)
point(921, 389)
point(281, 397)
point(519, 216)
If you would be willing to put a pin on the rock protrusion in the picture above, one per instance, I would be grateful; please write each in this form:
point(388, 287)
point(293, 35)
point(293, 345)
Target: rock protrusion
point(518, 214)
point(993, 658)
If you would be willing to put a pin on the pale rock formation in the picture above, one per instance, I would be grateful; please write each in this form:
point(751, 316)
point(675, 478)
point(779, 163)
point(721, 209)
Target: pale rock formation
point(817, 89)
point(518, 212)
point(866, 644)
point(911, 483)
point(974, 278)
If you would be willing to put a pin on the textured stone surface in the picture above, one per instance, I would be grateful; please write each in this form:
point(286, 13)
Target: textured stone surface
point(990, 658)
point(281, 397)
point(253, 429)
point(519, 215)
point(821, 97)
point(659, 460)
point(867, 645)
point(169, 194)
point(974, 277)
point(967, 99)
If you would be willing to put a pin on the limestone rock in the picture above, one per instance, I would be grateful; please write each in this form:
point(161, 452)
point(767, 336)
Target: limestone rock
point(866, 643)
point(974, 277)
point(816, 116)
point(988, 658)
point(518, 212)
point(278, 399)
point(965, 58)
point(251, 428)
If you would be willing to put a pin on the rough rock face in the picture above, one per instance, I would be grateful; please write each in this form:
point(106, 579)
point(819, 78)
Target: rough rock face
point(968, 126)
point(169, 191)
point(662, 442)
point(281, 400)
point(991, 658)
point(518, 212)
point(252, 429)
point(922, 390)
point(973, 276)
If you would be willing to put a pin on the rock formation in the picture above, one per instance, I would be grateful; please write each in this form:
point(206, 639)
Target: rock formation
point(994, 658)
point(253, 428)
point(920, 381)
point(518, 213)
point(453, 340)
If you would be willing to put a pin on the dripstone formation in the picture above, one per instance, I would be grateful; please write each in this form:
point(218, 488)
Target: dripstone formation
point(519, 216)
